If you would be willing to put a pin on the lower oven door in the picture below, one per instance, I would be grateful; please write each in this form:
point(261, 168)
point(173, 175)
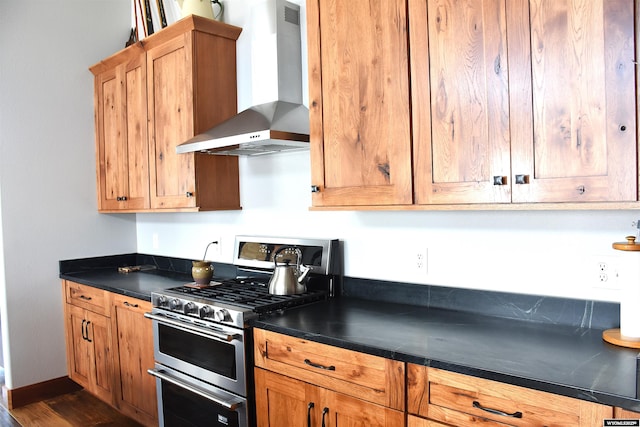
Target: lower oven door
point(215, 354)
point(184, 401)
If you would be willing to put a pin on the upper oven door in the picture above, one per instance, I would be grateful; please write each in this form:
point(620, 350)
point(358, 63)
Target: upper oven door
point(215, 354)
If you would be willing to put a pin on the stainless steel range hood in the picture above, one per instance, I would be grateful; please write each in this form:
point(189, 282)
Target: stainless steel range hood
point(272, 127)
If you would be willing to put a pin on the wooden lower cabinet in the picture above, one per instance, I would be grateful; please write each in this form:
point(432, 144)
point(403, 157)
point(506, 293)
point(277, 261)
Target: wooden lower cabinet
point(89, 360)
point(461, 400)
point(135, 394)
point(282, 401)
point(413, 421)
point(620, 413)
point(109, 349)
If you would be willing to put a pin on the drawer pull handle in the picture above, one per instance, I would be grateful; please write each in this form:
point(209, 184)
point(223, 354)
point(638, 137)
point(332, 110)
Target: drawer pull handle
point(128, 304)
point(317, 365)
point(309, 408)
point(517, 414)
point(85, 298)
point(325, 411)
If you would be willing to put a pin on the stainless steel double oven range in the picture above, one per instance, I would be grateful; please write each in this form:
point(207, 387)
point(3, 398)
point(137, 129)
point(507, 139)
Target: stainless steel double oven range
point(203, 343)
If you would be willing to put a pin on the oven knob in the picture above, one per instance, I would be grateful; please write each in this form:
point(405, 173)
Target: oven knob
point(190, 308)
point(205, 311)
point(174, 304)
point(162, 301)
point(223, 315)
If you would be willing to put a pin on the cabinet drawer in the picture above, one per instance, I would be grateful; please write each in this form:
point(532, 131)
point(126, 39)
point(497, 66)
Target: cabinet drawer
point(461, 399)
point(87, 297)
point(367, 377)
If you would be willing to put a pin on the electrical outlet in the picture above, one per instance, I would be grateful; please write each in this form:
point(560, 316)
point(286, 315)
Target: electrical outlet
point(421, 261)
point(604, 272)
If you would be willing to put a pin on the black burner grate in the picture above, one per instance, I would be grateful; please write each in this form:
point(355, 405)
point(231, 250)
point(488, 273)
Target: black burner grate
point(254, 296)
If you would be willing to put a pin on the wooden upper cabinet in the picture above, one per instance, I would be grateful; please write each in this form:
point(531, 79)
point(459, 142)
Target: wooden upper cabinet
point(573, 86)
point(523, 101)
point(121, 131)
point(153, 96)
point(460, 101)
point(359, 102)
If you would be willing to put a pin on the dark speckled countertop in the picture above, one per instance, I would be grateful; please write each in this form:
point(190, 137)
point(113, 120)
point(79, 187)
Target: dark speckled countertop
point(567, 360)
point(102, 272)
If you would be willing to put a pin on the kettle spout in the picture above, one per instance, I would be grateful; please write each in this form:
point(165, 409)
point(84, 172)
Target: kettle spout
point(304, 271)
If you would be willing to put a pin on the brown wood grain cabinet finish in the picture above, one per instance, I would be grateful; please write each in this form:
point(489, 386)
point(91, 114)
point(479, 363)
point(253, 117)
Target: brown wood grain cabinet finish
point(88, 340)
point(458, 400)
point(154, 95)
point(356, 388)
point(109, 349)
point(282, 401)
point(133, 349)
point(367, 377)
point(122, 150)
point(359, 102)
point(620, 413)
point(501, 104)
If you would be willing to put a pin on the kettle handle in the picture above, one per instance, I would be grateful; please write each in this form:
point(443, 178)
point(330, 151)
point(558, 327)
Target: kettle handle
point(298, 255)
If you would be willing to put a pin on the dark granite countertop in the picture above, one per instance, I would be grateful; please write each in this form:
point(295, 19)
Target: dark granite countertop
point(102, 273)
point(137, 284)
point(567, 360)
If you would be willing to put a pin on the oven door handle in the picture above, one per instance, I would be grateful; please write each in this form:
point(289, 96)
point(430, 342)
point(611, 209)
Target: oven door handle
point(231, 405)
point(187, 327)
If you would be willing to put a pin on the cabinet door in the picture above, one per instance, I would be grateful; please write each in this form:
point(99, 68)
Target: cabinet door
point(572, 85)
point(121, 134)
point(90, 362)
point(79, 357)
point(282, 401)
point(460, 101)
point(133, 344)
point(286, 402)
point(170, 102)
point(359, 102)
point(345, 410)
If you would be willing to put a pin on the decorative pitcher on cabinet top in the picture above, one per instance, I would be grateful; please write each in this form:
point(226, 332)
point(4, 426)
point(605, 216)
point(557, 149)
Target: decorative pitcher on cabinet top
point(200, 7)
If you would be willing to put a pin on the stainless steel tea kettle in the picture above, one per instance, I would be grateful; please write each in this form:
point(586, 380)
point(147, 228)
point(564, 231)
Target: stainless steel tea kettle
point(288, 279)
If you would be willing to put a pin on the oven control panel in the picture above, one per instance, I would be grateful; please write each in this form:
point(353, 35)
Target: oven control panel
point(258, 252)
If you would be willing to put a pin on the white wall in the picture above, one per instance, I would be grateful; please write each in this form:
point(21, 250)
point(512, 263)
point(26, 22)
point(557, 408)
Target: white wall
point(546, 253)
point(47, 169)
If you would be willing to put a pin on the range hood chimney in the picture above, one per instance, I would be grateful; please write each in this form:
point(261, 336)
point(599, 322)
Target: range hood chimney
point(272, 127)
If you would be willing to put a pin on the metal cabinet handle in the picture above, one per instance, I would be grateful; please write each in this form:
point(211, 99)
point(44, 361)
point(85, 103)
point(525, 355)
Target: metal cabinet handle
point(85, 298)
point(189, 193)
point(325, 411)
point(87, 328)
point(499, 180)
point(315, 189)
point(522, 179)
point(477, 404)
point(84, 335)
point(309, 407)
point(317, 365)
point(130, 305)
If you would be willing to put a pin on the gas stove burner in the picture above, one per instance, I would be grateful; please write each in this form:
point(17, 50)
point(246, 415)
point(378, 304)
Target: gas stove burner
point(252, 296)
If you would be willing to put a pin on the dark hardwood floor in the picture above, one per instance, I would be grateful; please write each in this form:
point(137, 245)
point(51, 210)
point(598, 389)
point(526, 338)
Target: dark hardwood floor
point(77, 409)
